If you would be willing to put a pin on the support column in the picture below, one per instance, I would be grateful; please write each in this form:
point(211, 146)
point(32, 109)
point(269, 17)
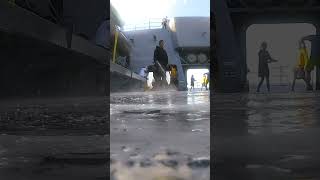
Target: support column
point(317, 69)
point(228, 53)
point(240, 34)
point(318, 78)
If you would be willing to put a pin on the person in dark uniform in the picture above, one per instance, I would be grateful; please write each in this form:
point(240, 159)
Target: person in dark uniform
point(192, 82)
point(161, 56)
point(264, 60)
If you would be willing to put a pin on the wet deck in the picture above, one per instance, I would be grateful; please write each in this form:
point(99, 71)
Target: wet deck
point(266, 136)
point(54, 138)
point(164, 133)
point(256, 136)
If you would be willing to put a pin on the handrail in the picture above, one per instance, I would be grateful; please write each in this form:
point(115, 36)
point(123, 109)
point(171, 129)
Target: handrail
point(180, 58)
point(153, 23)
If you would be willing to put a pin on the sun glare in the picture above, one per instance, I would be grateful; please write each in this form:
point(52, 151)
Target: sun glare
point(139, 11)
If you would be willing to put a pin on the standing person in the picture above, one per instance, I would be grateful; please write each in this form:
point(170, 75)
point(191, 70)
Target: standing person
point(155, 38)
point(160, 55)
point(143, 72)
point(127, 62)
point(165, 22)
point(313, 60)
point(207, 80)
point(204, 81)
point(299, 71)
point(174, 75)
point(264, 59)
point(192, 82)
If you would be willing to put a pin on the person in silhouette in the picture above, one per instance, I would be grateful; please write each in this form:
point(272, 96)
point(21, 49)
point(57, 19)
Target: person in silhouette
point(154, 38)
point(160, 55)
point(192, 82)
point(165, 22)
point(263, 68)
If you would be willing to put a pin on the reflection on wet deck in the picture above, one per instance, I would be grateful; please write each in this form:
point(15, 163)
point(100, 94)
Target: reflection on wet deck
point(270, 113)
point(266, 136)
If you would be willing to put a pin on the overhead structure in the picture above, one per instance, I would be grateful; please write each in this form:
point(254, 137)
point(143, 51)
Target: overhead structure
point(45, 54)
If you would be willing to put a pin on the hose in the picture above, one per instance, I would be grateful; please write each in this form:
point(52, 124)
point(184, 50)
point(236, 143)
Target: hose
point(161, 68)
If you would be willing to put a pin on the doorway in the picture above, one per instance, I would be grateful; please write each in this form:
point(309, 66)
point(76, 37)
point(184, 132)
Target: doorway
point(198, 76)
point(282, 40)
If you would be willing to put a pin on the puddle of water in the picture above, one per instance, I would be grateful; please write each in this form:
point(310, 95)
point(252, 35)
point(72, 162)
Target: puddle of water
point(198, 119)
point(196, 130)
point(125, 149)
point(293, 157)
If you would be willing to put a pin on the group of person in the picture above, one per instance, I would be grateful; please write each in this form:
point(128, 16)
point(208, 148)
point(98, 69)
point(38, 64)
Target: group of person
point(161, 66)
point(204, 82)
point(301, 71)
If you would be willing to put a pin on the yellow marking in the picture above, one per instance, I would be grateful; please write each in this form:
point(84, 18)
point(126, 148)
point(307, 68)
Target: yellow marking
point(115, 46)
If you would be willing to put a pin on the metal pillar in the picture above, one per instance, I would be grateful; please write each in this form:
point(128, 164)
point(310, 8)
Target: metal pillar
point(318, 78)
point(228, 53)
point(317, 68)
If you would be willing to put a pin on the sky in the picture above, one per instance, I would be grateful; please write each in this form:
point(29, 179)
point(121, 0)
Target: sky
point(137, 11)
point(282, 42)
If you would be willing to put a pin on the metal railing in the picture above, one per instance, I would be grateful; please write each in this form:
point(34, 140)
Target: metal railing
point(153, 23)
point(279, 75)
point(283, 75)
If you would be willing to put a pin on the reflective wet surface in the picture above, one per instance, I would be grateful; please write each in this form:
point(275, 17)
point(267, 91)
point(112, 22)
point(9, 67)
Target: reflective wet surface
point(160, 135)
point(56, 138)
point(266, 136)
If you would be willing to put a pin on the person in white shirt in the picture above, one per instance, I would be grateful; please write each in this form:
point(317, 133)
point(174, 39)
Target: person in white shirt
point(143, 72)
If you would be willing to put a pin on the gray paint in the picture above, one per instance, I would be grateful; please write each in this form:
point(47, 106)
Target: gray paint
point(191, 31)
